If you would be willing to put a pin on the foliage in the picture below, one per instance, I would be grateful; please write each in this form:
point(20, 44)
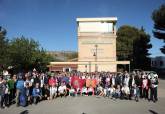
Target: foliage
point(140, 51)
point(22, 54)
point(26, 54)
point(4, 57)
point(125, 37)
point(158, 16)
point(133, 45)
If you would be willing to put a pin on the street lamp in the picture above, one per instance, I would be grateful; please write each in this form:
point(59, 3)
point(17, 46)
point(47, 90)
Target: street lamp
point(95, 55)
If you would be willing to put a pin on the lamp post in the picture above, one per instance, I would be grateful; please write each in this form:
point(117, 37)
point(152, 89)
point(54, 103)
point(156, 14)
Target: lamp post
point(95, 54)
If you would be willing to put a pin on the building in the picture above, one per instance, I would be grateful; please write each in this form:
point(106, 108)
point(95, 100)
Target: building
point(158, 62)
point(97, 43)
point(96, 46)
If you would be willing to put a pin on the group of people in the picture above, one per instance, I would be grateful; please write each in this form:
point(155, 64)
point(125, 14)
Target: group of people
point(32, 87)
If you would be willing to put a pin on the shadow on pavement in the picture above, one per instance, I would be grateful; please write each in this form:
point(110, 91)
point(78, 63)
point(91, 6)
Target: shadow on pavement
point(25, 112)
point(84, 113)
point(98, 97)
point(152, 112)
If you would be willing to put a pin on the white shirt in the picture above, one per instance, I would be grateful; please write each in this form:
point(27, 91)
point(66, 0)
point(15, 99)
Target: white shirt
point(133, 82)
point(83, 77)
point(32, 80)
point(145, 83)
point(61, 89)
point(107, 79)
point(71, 90)
point(113, 80)
point(53, 90)
point(134, 91)
point(100, 88)
point(90, 89)
point(84, 90)
point(126, 89)
point(126, 81)
point(105, 91)
point(27, 81)
point(42, 83)
point(112, 90)
point(153, 85)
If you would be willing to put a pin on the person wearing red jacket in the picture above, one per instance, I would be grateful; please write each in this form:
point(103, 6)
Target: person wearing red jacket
point(52, 81)
point(145, 87)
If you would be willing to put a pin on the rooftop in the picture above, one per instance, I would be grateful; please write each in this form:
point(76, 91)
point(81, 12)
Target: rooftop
point(107, 19)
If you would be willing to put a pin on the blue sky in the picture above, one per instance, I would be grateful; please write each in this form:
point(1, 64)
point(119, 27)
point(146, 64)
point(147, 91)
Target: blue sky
point(53, 22)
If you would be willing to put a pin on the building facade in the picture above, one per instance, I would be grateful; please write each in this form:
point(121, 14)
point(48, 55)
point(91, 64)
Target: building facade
point(97, 43)
point(158, 62)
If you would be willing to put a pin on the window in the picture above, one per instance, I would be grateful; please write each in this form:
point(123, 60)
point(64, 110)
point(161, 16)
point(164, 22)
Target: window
point(96, 27)
point(155, 63)
point(152, 63)
point(161, 63)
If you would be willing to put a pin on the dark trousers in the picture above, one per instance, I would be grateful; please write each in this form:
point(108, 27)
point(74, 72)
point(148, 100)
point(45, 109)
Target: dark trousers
point(154, 94)
point(4, 99)
point(83, 93)
point(36, 99)
point(11, 96)
point(67, 92)
point(90, 93)
point(141, 92)
point(145, 93)
point(131, 92)
point(72, 94)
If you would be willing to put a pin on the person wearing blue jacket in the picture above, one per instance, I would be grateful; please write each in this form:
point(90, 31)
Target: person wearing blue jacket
point(37, 93)
point(19, 88)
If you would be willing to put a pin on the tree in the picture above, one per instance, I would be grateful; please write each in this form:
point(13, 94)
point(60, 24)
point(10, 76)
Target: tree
point(22, 51)
point(26, 54)
point(158, 16)
point(125, 37)
point(4, 58)
point(141, 47)
point(133, 45)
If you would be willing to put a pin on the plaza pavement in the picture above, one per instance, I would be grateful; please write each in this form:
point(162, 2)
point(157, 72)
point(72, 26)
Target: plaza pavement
point(93, 105)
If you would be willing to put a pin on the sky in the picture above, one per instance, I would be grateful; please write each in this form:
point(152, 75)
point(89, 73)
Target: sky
point(53, 22)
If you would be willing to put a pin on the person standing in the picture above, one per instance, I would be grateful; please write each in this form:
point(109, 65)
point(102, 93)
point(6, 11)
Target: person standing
point(2, 92)
point(137, 88)
point(11, 84)
point(154, 86)
point(19, 88)
point(53, 91)
point(145, 86)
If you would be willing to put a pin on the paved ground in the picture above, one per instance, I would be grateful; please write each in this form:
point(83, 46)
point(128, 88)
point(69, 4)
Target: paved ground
point(93, 105)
